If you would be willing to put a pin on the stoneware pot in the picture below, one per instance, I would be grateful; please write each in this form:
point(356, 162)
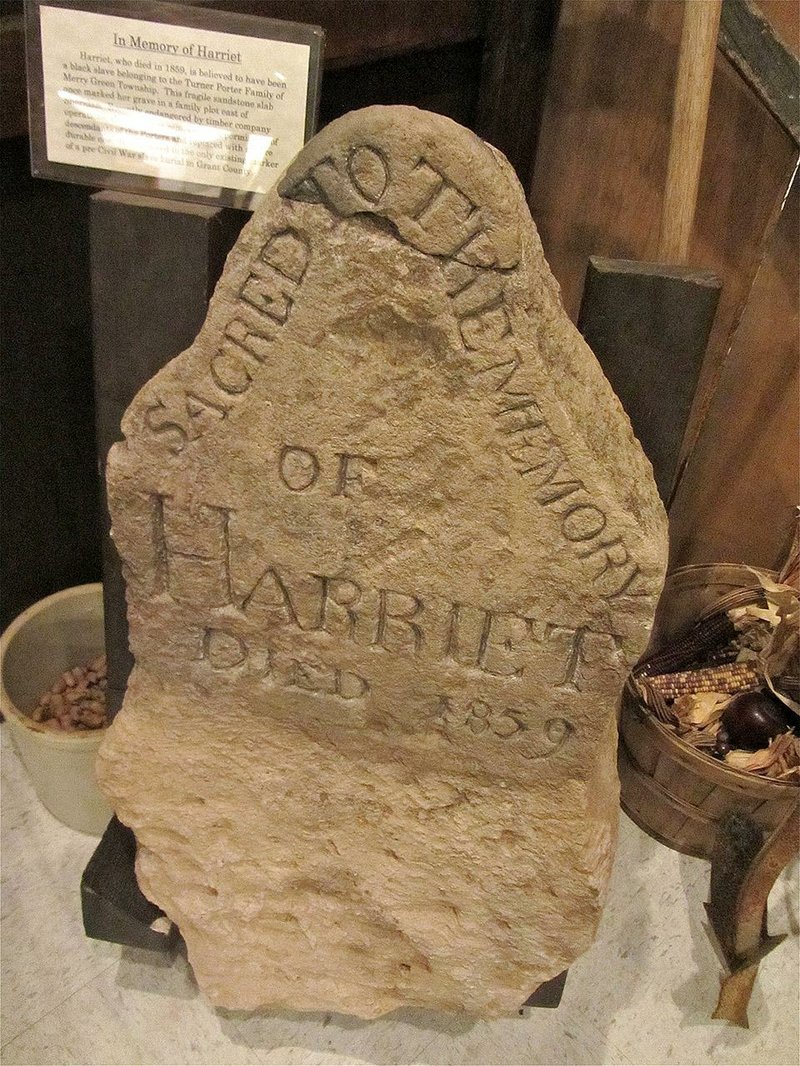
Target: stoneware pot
point(60, 632)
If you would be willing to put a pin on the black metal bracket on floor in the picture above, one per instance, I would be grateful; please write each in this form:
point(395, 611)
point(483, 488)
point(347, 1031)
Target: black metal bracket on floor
point(738, 845)
point(114, 907)
point(116, 910)
point(549, 994)
point(744, 868)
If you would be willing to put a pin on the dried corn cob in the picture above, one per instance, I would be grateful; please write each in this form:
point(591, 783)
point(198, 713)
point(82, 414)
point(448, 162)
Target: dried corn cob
point(732, 677)
point(695, 646)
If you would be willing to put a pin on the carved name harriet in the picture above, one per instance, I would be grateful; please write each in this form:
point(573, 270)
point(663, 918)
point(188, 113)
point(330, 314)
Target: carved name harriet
point(233, 604)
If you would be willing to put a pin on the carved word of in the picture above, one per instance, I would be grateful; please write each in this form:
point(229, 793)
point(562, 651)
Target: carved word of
point(264, 306)
point(301, 469)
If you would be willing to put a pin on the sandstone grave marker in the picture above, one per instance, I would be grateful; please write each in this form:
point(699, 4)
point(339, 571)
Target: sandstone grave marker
point(390, 549)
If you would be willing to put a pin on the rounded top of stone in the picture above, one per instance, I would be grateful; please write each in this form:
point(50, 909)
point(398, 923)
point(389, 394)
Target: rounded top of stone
point(442, 189)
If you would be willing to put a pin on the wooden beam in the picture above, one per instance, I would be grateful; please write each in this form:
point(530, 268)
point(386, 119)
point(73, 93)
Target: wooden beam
point(763, 60)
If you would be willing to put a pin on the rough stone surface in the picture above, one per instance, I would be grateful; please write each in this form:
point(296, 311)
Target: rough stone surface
point(390, 548)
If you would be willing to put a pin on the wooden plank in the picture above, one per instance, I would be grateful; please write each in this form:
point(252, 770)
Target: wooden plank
point(737, 498)
point(763, 60)
point(49, 511)
point(683, 781)
point(601, 162)
point(516, 60)
point(649, 324)
point(154, 264)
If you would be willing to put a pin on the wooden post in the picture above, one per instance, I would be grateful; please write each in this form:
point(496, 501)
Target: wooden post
point(689, 117)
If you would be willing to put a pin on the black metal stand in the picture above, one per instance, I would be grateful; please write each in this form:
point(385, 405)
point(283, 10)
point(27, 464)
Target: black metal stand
point(114, 908)
point(649, 326)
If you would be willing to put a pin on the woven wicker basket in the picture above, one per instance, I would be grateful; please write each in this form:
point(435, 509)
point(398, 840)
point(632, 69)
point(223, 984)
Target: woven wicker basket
point(675, 793)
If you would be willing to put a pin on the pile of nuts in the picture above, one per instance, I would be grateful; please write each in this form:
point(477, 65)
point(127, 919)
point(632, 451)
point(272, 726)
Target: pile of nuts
point(77, 701)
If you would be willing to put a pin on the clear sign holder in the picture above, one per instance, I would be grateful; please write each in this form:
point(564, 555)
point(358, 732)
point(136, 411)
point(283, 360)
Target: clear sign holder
point(166, 100)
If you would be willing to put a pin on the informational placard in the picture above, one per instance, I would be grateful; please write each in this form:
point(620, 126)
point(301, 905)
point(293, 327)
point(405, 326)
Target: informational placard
point(159, 98)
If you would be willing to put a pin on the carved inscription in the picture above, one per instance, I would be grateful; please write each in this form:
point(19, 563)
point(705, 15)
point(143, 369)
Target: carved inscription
point(479, 304)
point(485, 325)
point(301, 469)
point(436, 215)
point(506, 723)
point(234, 654)
point(478, 297)
point(201, 563)
point(264, 306)
point(479, 717)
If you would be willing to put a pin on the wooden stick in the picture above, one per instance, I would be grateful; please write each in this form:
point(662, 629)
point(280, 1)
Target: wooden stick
point(689, 115)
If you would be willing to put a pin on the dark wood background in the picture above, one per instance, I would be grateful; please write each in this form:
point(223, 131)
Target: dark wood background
point(578, 95)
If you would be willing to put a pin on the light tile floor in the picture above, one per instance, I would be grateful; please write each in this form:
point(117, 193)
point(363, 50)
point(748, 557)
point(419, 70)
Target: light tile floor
point(641, 995)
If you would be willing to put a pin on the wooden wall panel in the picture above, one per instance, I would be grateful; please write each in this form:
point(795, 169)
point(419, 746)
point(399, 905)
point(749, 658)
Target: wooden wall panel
point(599, 174)
point(784, 17)
point(747, 166)
point(601, 161)
point(737, 498)
point(361, 31)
